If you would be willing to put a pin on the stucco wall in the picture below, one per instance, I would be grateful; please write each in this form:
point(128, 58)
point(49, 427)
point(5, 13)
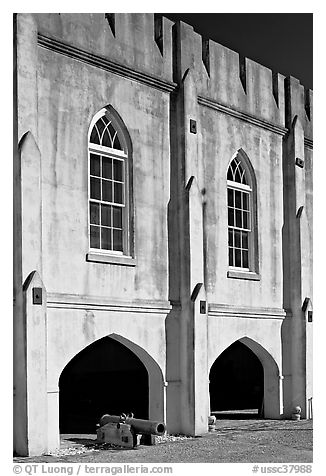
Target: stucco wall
point(131, 44)
point(70, 93)
point(70, 66)
point(86, 326)
point(222, 137)
point(309, 212)
point(223, 331)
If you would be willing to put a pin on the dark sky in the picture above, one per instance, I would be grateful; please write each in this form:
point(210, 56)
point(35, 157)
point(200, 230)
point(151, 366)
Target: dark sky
point(280, 41)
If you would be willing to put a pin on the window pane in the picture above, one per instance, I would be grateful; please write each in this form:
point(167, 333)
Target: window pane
point(245, 201)
point(107, 190)
point(106, 215)
point(230, 237)
point(112, 132)
point(95, 188)
point(95, 237)
point(237, 199)
point(118, 192)
point(245, 259)
point(245, 240)
point(100, 126)
point(117, 217)
point(246, 220)
point(230, 197)
point(94, 213)
point(230, 217)
point(94, 136)
point(231, 257)
point(106, 140)
point(237, 254)
point(117, 240)
point(106, 167)
point(238, 220)
point(116, 144)
point(106, 238)
point(237, 177)
point(95, 165)
point(237, 236)
point(117, 170)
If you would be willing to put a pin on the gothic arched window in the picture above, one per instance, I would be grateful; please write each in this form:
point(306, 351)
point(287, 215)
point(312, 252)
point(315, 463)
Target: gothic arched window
point(241, 213)
point(109, 157)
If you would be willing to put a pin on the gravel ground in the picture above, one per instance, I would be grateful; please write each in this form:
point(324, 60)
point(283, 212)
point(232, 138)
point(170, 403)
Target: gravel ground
point(233, 441)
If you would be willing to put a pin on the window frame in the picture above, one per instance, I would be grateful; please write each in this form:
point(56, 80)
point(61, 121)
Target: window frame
point(125, 256)
point(247, 189)
point(250, 187)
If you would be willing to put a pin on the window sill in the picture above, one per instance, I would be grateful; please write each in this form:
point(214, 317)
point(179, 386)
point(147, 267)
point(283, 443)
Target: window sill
point(110, 259)
point(243, 275)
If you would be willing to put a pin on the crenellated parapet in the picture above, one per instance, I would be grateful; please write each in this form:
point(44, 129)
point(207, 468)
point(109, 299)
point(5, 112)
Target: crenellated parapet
point(228, 79)
point(147, 45)
point(136, 40)
point(224, 77)
point(299, 103)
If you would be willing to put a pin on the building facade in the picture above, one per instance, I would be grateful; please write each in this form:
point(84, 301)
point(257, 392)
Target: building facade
point(162, 218)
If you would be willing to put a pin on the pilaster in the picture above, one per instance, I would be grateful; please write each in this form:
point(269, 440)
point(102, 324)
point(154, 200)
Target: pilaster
point(193, 376)
point(30, 372)
point(296, 269)
point(29, 328)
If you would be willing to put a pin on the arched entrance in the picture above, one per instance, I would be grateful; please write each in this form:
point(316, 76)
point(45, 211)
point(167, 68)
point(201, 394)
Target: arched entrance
point(105, 377)
point(246, 376)
point(237, 382)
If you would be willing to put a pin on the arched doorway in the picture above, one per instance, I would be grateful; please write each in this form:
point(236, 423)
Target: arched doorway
point(105, 377)
point(237, 382)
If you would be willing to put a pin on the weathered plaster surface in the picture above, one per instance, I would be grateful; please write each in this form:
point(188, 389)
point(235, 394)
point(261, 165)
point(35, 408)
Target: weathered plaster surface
point(152, 72)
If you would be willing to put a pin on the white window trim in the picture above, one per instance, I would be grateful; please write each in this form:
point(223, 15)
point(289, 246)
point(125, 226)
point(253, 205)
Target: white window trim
point(101, 255)
point(124, 260)
point(107, 151)
point(250, 272)
point(238, 186)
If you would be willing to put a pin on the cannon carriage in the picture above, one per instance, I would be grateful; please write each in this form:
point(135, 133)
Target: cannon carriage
point(127, 431)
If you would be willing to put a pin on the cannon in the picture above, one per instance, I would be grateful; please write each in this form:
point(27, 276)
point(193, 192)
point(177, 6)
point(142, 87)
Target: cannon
point(126, 430)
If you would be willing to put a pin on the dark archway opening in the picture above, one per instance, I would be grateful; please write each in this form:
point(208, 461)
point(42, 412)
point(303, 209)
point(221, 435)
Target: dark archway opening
point(105, 377)
point(237, 383)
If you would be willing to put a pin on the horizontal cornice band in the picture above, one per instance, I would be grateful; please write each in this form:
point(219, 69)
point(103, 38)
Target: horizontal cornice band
point(105, 64)
point(225, 310)
point(243, 116)
point(75, 301)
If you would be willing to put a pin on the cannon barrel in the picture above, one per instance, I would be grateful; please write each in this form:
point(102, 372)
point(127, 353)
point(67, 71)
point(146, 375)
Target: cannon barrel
point(144, 427)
